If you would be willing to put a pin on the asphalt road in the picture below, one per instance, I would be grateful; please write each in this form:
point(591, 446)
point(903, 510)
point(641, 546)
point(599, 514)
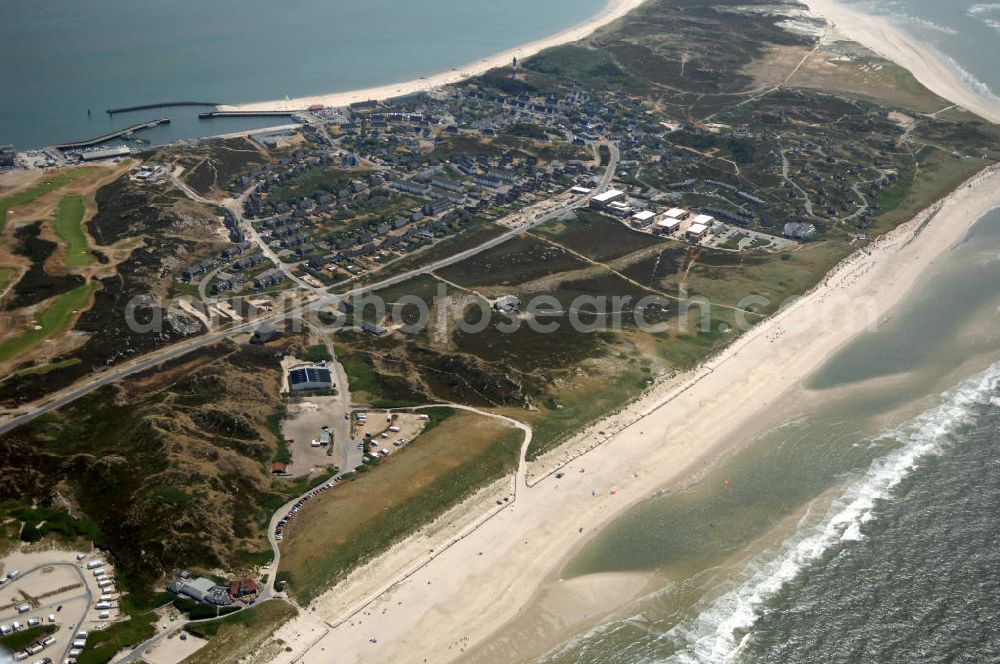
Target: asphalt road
point(182, 348)
point(72, 625)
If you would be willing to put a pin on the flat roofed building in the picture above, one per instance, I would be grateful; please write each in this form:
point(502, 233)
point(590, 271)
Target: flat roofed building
point(667, 226)
point(106, 153)
point(697, 231)
point(618, 209)
point(643, 218)
point(306, 379)
point(703, 219)
point(605, 198)
point(676, 213)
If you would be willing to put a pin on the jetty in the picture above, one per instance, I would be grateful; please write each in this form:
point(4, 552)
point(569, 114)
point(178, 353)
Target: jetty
point(246, 114)
point(164, 104)
point(111, 135)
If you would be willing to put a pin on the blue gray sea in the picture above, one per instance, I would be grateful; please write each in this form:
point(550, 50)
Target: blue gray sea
point(861, 529)
point(864, 528)
point(965, 32)
point(61, 58)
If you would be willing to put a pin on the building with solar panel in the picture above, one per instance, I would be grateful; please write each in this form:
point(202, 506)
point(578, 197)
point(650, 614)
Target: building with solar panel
point(310, 379)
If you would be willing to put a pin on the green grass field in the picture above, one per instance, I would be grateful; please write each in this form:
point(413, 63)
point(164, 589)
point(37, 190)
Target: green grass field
point(69, 226)
point(53, 320)
point(57, 180)
point(362, 518)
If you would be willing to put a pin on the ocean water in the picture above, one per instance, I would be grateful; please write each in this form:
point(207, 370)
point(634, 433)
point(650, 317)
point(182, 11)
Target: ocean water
point(965, 32)
point(862, 529)
point(59, 58)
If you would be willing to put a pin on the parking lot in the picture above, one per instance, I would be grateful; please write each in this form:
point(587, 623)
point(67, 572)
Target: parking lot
point(381, 425)
point(382, 433)
point(303, 425)
point(56, 596)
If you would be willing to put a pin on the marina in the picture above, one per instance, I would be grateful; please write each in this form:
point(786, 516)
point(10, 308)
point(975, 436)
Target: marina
point(104, 138)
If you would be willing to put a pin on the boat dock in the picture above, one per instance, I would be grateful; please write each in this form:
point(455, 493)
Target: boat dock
point(111, 135)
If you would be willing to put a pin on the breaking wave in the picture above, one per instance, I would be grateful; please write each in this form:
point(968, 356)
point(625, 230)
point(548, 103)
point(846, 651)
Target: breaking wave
point(724, 626)
point(987, 12)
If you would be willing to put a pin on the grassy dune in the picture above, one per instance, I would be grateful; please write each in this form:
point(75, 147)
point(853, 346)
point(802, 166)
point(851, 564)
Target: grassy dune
point(361, 518)
point(235, 636)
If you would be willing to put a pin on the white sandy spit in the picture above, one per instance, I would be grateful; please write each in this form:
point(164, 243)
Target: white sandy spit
point(934, 71)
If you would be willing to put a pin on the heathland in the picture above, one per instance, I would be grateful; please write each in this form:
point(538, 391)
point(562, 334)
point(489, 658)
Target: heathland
point(805, 150)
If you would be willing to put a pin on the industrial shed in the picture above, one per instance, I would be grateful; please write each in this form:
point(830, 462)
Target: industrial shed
point(310, 379)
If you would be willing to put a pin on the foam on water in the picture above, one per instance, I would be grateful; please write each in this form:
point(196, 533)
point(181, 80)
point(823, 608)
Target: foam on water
point(723, 627)
point(926, 24)
point(978, 86)
point(987, 12)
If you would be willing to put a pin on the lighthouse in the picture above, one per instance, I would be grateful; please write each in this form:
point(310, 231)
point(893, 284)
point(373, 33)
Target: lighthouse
point(514, 72)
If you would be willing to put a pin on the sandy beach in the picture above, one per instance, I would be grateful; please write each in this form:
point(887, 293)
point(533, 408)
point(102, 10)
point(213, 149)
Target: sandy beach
point(487, 589)
point(614, 10)
point(881, 36)
point(456, 599)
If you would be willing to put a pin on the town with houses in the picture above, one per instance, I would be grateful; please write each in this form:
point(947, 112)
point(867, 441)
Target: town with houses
point(478, 187)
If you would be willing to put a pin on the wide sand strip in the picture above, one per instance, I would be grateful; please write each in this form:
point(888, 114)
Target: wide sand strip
point(879, 35)
point(471, 589)
point(614, 10)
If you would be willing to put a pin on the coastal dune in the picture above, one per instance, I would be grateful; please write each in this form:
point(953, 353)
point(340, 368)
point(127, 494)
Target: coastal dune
point(477, 597)
point(879, 35)
point(466, 593)
point(614, 10)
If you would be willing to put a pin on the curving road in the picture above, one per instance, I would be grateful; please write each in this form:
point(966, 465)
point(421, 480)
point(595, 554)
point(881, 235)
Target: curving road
point(181, 348)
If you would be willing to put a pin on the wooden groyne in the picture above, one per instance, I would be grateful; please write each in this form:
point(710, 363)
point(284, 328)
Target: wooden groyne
point(111, 135)
point(165, 104)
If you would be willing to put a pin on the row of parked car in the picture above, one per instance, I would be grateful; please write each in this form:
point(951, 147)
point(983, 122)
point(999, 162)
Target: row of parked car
point(279, 529)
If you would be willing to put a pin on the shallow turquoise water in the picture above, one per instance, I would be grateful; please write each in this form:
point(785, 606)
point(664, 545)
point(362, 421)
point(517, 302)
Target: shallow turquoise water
point(791, 550)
